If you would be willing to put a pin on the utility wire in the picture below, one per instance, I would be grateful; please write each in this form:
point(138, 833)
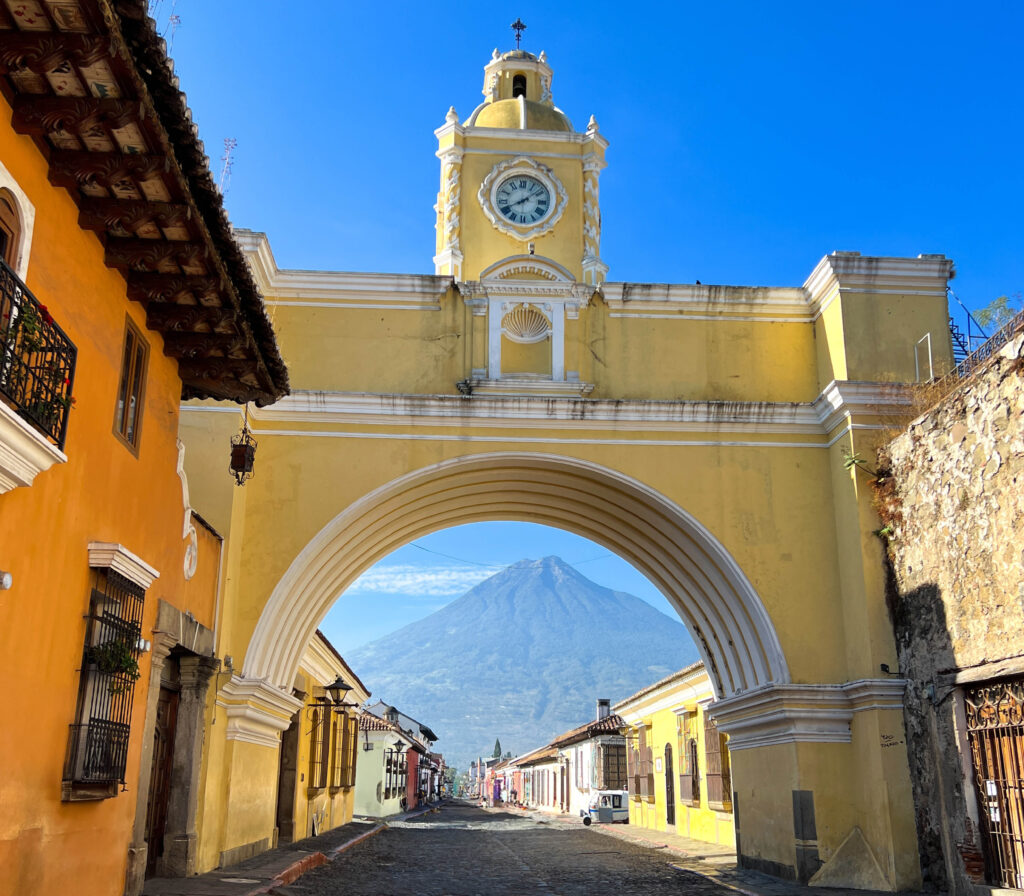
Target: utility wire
point(450, 557)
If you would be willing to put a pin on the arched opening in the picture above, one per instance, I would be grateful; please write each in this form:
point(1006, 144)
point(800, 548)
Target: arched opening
point(701, 581)
point(518, 86)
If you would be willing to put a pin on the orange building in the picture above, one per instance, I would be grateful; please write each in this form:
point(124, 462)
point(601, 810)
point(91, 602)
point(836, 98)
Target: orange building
point(121, 291)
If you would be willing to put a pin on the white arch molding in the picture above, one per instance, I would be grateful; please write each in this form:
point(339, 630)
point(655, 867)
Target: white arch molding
point(713, 597)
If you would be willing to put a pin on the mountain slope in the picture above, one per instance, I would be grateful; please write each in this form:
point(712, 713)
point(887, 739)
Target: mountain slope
point(523, 656)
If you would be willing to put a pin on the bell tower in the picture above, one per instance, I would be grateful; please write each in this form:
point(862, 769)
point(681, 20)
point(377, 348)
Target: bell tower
point(519, 227)
point(517, 180)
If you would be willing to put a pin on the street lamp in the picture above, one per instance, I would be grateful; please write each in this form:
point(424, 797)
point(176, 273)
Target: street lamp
point(337, 690)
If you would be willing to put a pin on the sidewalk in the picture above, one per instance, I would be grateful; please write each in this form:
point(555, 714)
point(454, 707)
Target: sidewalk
point(275, 867)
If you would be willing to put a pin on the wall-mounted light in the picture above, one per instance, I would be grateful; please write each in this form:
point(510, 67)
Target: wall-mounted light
point(143, 646)
point(6, 580)
point(337, 690)
point(243, 452)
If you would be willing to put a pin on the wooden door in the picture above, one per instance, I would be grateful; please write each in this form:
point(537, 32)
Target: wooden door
point(287, 780)
point(160, 777)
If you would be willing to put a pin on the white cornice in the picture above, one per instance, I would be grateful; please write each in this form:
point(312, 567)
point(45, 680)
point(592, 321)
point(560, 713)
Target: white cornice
point(511, 135)
point(695, 301)
point(492, 405)
point(105, 555)
point(257, 712)
point(835, 274)
point(321, 663)
point(346, 289)
point(802, 713)
point(689, 683)
point(339, 289)
point(24, 453)
point(926, 275)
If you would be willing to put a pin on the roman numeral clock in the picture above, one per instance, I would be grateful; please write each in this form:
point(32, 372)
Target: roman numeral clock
point(522, 197)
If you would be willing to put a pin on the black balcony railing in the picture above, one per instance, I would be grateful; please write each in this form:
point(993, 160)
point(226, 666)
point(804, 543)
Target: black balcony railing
point(37, 360)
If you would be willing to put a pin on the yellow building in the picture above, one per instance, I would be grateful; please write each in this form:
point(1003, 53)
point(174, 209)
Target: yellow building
point(320, 748)
point(700, 432)
point(679, 771)
point(121, 292)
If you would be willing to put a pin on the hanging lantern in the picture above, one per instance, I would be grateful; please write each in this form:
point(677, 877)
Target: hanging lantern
point(243, 452)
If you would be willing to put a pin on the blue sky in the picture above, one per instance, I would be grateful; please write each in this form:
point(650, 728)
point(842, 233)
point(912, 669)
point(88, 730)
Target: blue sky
point(747, 140)
point(422, 577)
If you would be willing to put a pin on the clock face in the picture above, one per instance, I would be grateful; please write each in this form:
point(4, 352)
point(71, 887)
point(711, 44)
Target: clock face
point(522, 199)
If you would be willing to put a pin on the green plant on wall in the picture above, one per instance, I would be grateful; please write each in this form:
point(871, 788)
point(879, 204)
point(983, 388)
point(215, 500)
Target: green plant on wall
point(115, 658)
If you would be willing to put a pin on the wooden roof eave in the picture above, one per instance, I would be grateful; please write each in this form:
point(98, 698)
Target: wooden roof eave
point(198, 292)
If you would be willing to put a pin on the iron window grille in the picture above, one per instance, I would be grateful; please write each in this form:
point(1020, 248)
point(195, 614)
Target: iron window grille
point(995, 728)
point(716, 760)
point(37, 360)
point(319, 744)
point(350, 738)
point(97, 751)
point(343, 765)
point(337, 754)
point(613, 767)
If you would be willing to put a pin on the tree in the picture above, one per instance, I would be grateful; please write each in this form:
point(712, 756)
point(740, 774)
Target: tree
point(497, 749)
point(998, 312)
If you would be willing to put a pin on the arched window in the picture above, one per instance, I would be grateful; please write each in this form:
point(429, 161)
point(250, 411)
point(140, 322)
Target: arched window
point(10, 229)
point(518, 85)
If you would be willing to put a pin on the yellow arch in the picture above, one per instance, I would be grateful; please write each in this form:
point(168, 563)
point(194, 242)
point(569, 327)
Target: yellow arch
point(703, 583)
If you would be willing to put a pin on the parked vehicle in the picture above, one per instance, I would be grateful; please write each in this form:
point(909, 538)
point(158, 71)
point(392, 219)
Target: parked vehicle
point(607, 807)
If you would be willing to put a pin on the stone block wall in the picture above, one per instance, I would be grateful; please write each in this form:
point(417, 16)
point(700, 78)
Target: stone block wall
point(955, 504)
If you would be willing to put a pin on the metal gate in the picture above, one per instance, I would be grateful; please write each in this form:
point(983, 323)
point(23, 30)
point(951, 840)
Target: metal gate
point(995, 724)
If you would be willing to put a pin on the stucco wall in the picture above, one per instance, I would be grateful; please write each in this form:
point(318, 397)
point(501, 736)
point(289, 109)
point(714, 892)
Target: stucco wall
point(958, 590)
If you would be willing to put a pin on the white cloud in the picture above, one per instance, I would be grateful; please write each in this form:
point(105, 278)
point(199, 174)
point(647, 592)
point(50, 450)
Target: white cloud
point(426, 581)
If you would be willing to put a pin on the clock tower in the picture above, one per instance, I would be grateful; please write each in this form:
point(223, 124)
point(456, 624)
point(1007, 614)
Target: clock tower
point(519, 221)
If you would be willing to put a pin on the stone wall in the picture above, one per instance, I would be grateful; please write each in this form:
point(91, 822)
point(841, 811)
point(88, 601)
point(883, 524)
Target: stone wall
point(955, 504)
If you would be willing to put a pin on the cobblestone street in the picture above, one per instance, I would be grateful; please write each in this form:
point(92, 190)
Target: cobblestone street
point(464, 850)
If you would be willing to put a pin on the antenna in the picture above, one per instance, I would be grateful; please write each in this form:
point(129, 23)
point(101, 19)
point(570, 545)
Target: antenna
point(225, 172)
point(173, 22)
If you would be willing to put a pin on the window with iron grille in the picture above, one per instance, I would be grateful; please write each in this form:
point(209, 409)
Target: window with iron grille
point(613, 767)
point(97, 752)
point(716, 760)
point(337, 759)
point(390, 763)
point(348, 774)
point(319, 742)
point(643, 767)
point(345, 738)
point(128, 412)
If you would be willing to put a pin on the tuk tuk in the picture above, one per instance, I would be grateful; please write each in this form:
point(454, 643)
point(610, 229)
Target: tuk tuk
point(607, 807)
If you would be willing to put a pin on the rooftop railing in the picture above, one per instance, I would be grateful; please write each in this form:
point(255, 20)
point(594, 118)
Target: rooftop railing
point(945, 384)
point(37, 360)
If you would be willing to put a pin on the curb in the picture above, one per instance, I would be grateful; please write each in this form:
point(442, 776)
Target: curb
point(314, 860)
point(338, 850)
point(716, 879)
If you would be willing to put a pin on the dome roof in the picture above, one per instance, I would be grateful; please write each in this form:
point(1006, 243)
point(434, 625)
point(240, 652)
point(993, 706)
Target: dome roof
point(520, 114)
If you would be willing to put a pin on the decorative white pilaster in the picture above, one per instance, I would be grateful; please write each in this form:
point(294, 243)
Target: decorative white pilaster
point(494, 339)
point(557, 313)
point(449, 206)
